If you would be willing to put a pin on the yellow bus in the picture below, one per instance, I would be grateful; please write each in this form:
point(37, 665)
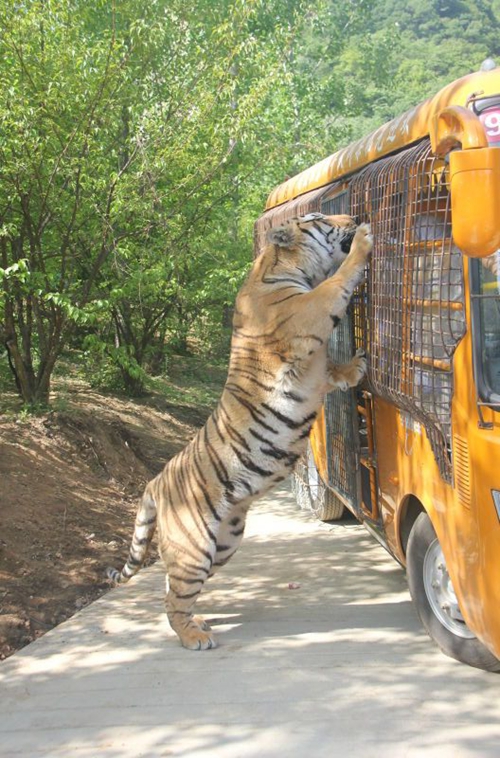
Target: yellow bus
point(414, 452)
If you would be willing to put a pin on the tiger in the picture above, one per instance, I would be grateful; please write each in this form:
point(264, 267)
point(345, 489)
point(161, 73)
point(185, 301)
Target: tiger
point(295, 294)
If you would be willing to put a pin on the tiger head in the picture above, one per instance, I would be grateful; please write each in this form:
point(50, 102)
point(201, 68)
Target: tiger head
point(315, 243)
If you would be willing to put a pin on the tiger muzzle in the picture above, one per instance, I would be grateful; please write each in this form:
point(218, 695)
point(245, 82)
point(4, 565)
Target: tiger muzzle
point(346, 243)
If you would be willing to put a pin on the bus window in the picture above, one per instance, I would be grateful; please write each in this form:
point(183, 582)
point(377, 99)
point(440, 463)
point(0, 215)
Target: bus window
point(486, 296)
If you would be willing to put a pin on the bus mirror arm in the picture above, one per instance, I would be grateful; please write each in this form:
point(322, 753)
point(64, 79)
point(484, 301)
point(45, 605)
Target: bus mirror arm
point(454, 127)
point(474, 179)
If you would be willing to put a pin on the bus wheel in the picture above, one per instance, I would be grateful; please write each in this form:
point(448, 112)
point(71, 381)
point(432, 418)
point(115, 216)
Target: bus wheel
point(312, 493)
point(432, 592)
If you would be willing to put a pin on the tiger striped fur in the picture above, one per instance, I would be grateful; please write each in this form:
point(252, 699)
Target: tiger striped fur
point(278, 374)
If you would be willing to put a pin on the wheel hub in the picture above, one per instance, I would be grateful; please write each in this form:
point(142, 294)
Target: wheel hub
point(441, 594)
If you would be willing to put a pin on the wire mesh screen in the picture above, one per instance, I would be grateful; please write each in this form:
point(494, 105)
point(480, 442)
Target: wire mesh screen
point(409, 314)
point(414, 299)
point(342, 437)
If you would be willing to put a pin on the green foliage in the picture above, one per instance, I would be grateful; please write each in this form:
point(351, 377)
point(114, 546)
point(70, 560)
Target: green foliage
point(406, 52)
point(118, 126)
point(138, 143)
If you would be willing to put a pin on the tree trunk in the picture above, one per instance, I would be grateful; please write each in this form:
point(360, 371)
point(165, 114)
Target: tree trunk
point(34, 390)
point(33, 384)
point(134, 385)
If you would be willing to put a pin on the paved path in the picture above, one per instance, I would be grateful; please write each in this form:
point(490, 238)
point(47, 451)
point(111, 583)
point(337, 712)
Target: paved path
point(338, 667)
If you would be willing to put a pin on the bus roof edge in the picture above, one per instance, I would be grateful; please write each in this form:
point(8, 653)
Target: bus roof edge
point(410, 127)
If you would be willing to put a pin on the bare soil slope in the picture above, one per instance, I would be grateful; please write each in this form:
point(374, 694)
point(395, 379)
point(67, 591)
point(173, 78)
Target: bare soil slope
point(69, 483)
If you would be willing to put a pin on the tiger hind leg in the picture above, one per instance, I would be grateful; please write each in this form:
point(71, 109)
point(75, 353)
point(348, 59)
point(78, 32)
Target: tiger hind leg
point(185, 582)
point(229, 538)
point(182, 593)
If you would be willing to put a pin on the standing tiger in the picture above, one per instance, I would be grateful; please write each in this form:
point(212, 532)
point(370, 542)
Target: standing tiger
point(278, 374)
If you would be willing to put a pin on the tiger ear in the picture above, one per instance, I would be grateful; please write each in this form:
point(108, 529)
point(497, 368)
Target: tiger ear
point(283, 236)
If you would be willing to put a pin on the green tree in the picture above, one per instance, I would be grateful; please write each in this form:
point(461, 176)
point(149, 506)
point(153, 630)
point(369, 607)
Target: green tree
point(114, 121)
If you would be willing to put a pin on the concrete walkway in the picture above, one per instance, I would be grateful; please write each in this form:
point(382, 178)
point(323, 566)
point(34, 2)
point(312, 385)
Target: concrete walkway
point(338, 667)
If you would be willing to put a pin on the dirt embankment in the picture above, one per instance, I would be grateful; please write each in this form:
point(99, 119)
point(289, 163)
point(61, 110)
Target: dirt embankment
point(69, 483)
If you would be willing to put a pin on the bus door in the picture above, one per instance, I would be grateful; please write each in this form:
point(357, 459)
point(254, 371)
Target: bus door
point(350, 439)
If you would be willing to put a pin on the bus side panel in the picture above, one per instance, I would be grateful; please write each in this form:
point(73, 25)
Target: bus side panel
point(406, 466)
point(484, 579)
point(475, 530)
point(388, 473)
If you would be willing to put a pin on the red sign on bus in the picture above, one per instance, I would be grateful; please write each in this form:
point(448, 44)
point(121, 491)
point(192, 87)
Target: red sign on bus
point(490, 118)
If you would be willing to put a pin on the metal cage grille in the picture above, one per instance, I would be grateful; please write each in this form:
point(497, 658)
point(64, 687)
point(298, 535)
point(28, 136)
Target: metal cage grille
point(409, 315)
point(414, 297)
point(342, 438)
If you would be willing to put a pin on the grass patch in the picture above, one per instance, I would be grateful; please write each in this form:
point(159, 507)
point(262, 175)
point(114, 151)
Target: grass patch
point(190, 380)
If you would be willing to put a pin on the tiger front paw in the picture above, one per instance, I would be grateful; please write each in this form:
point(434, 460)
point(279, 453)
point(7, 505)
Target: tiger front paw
point(362, 243)
point(359, 366)
point(342, 377)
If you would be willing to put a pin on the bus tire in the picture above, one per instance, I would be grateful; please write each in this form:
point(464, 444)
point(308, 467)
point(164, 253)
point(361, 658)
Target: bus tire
point(312, 493)
point(432, 593)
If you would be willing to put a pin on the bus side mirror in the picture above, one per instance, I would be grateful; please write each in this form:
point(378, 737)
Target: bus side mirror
point(475, 200)
point(474, 180)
